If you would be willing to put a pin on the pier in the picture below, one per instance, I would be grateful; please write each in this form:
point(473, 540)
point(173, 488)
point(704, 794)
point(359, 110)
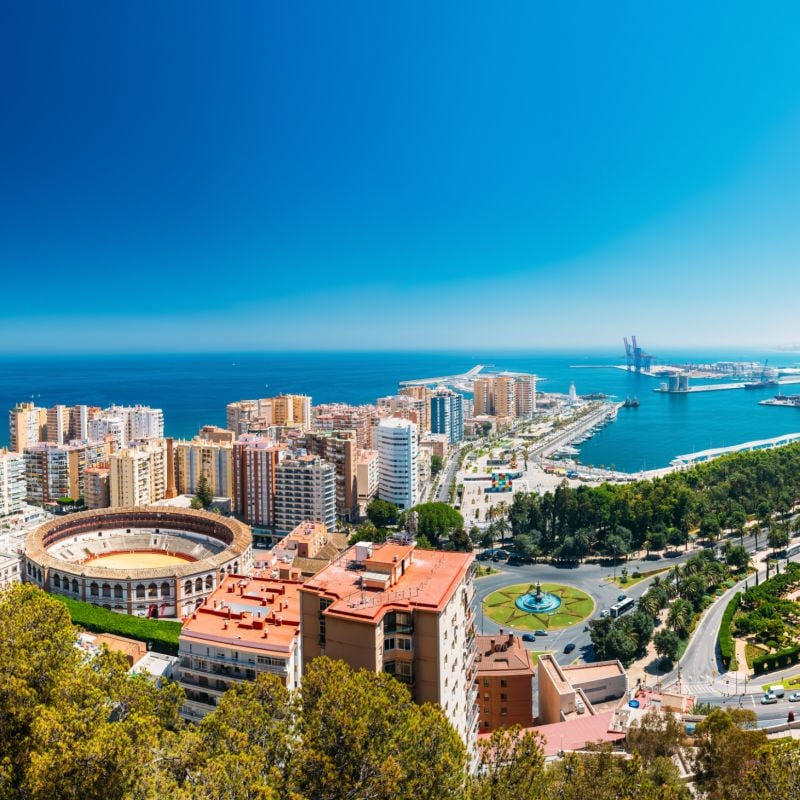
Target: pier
point(760, 444)
point(723, 387)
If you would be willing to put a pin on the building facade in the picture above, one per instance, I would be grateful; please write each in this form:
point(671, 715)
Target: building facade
point(255, 465)
point(398, 467)
point(391, 608)
point(138, 475)
point(204, 457)
point(368, 476)
point(12, 482)
point(505, 682)
point(27, 425)
point(339, 448)
point(248, 626)
point(54, 471)
point(305, 489)
point(447, 415)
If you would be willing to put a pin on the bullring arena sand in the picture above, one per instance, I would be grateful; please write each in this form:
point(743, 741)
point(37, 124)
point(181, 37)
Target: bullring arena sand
point(138, 560)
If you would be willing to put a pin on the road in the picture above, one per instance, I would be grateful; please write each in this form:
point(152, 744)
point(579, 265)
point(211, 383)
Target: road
point(590, 578)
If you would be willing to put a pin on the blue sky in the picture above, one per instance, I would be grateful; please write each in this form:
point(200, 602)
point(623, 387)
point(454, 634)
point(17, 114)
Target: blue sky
point(208, 176)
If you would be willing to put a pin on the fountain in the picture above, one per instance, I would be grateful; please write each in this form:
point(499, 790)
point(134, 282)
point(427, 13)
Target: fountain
point(538, 602)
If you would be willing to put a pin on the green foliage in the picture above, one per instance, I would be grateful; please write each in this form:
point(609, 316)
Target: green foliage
point(667, 644)
point(161, 634)
point(726, 644)
point(381, 513)
point(203, 493)
point(622, 517)
point(625, 638)
point(436, 464)
point(436, 520)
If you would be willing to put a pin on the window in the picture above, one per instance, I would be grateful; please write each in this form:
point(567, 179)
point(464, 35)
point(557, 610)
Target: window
point(106, 590)
point(503, 697)
point(165, 589)
point(152, 590)
point(485, 681)
point(118, 592)
point(503, 712)
point(94, 590)
point(389, 644)
point(406, 644)
point(503, 683)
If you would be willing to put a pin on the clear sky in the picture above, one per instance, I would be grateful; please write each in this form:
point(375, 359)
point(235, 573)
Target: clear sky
point(262, 175)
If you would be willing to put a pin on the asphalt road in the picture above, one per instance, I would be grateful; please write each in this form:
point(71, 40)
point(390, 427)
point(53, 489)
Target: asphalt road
point(590, 578)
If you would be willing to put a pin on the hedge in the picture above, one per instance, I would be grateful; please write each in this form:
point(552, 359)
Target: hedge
point(783, 658)
point(726, 645)
point(160, 634)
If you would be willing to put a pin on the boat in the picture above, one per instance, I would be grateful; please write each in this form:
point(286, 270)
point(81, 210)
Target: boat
point(762, 384)
point(631, 403)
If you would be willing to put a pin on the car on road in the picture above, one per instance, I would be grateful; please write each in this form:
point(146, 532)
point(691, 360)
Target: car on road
point(604, 613)
point(768, 699)
point(568, 648)
point(621, 597)
point(540, 632)
point(528, 637)
point(794, 697)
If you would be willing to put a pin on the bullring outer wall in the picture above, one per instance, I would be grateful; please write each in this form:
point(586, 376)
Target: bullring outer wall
point(176, 590)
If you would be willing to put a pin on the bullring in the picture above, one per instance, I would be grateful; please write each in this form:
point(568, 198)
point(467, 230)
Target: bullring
point(146, 561)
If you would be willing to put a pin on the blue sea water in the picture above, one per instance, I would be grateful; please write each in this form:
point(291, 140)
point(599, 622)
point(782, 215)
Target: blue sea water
point(193, 390)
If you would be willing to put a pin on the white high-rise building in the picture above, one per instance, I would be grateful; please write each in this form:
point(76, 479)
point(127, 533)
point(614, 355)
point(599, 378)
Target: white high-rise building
point(12, 482)
point(141, 422)
point(108, 425)
point(398, 462)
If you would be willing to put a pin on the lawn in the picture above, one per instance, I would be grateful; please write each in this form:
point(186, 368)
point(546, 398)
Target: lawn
point(633, 581)
point(791, 684)
point(575, 607)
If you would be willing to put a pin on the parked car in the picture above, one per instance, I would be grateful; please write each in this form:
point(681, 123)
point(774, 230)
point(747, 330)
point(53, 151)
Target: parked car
point(794, 697)
point(528, 637)
point(540, 632)
point(568, 648)
point(604, 613)
point(768, 699)
point(621, 597)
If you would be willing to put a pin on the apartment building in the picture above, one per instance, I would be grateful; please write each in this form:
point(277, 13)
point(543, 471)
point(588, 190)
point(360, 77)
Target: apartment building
point(255, 464)
point(305, 489)
point(12, 482)
point(27, 425)
point(510, 396)
point(97, 486)
point(247, 626)
point(398, 467)
point(368, 476)
point(505, 682)
point(138, 475)
point(53, 471)
point(483, 396)
point(447, 415)
point(212, 433)
point(392, 608)
point(424, 396)
point(140, 422)
point(285, 410)
point(339, 448)
point(198, 457)
point(343, 417)
point(103, 425)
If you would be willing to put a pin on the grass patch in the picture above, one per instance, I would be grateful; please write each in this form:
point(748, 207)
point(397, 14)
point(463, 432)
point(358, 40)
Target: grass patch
point(535, 655)
point(484, 572)
point(162, 635)
point(575, 607)
point(791, 683)
point(752, 651)
point(633, 581)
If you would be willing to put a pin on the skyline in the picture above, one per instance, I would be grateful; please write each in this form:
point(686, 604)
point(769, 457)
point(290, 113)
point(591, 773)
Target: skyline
point(411, 179)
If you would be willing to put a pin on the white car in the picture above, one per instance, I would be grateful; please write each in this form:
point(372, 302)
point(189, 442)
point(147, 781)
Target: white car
point(768, 699)
point(794, 697)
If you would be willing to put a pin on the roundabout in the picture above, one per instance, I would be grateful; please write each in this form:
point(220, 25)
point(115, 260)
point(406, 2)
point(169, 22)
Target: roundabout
point(531, 606)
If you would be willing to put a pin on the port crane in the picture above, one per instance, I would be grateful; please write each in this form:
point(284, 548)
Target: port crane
point(637, 359)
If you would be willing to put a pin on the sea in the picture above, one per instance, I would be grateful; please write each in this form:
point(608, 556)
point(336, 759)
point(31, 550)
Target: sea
point(193, 390)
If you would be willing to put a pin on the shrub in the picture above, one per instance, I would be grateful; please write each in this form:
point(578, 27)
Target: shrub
point(160, 634)
point(783, 658)
point(726, 646)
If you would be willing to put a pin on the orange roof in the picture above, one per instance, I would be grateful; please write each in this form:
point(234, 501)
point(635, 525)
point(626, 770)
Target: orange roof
point(601, 670)
point(494, 661)
point(428, 583)
point(249, 613)
point(575, 734)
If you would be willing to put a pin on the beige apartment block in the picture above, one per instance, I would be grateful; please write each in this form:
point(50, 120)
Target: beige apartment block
point(138, 475)
point(392, 608)
point(27, 425)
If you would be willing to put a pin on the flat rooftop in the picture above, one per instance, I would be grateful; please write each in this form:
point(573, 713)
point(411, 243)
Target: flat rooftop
point(249, 613)
point(602, 670)
point(427, 583)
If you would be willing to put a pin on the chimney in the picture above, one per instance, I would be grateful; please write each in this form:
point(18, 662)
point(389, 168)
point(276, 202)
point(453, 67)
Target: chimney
point(171, 491)
point(491, 645)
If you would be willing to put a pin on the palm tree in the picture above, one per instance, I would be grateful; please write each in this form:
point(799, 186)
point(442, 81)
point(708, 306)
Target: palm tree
point(649, 604)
